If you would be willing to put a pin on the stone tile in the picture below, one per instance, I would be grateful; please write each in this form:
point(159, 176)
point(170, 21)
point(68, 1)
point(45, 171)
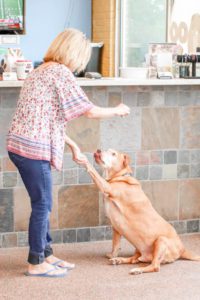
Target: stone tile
point(21, 204)
point(22, 239)
point(169, 171)
point(89, 92)
point(186, 98)
point(180, 226)
point(184, 88)
point(1, 180)
point(114, 89)
point(9, 179)
point(5, 121)
point(170, 157)
point(84, 177)
point(183, 156)
point(69, 236)
point(78, 206)
point(171, 98)
point(183, 171)
point(68, 162)
point(125, 139)
point(143, 99)
point(196, 97)
point(54, 212)
point(189, 199)
point(6, 210)
point(9, 97)
point(57, 236)
point(142, 173)
point(130, 99)
point(156, 157)
point(157, 129)
point(90, 157)
point(20, 182)
point(85, 132)
point(193, 226)
point(190, 128)
point(114, 99)
point(9, 240)
point(108, 233)
point(157, 88)
point(195, 170)
point(7, 165)
point(97, 233)
point(100, 96)
point(169, 88)
point(155, 172)
point(195, 156)
point(83, 235)
point(57, 177)
point(71, 176)
point(164, 197)
point(157, 98)
point(142, 88)
point(142, 158)
point(132, 157)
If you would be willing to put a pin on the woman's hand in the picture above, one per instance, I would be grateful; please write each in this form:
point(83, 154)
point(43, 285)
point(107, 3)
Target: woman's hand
point(122, 110)
point(79, 158)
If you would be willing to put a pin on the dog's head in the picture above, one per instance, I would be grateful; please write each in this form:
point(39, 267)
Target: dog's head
point(112, 161)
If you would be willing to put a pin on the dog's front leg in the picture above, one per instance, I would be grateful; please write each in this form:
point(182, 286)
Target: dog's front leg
point(115, 245)
point(101, 183)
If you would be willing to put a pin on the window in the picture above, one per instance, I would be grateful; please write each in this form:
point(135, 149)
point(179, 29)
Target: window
point(142, 22)
point(184, 24)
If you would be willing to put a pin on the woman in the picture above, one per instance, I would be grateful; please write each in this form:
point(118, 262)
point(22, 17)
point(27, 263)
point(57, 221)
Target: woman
point(50, 97)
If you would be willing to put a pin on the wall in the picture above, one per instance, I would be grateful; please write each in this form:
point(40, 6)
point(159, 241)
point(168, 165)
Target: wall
point(161, 135)
point(46, 18)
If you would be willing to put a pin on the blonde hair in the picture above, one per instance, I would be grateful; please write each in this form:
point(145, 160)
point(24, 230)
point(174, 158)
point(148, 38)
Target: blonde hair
point(70, 48)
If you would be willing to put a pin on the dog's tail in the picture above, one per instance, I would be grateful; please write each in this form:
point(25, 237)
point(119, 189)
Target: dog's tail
point(189, 255)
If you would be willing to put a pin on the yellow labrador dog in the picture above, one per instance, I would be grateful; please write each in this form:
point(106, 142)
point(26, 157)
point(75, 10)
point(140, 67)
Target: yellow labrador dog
point(132, 216)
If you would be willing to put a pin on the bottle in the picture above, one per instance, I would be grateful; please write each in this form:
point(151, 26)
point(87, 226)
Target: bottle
point(184, 69)
point(175, 67)
point(198, 62)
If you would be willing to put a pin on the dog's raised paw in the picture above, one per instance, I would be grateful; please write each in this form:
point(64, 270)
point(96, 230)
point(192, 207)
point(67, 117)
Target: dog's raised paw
point(135, 271)
point(115, 261)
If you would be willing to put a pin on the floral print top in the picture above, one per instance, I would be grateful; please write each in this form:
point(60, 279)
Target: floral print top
point(49, 98)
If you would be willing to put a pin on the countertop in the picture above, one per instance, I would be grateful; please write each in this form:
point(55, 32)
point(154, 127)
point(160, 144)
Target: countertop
point(117, 81)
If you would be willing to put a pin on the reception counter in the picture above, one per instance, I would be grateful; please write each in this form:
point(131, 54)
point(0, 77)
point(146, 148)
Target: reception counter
point(161, 135)
point(117, 81)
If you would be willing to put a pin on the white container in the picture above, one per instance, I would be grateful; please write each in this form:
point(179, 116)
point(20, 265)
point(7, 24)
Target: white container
point(24, 67)
point(133, 72)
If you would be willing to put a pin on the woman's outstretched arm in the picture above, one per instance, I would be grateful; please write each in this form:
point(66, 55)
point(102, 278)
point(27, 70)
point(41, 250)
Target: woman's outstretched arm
point(97, 112)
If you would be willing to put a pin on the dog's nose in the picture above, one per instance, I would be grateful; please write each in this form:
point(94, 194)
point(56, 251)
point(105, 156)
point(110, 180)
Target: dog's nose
point(98, 151)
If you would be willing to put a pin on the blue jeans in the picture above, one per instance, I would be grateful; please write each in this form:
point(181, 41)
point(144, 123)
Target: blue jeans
point(37, 178)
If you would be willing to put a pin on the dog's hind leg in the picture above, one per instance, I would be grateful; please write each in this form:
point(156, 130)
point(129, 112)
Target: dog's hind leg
point(115, 244)
point(189, 255)
point(160, 247)
point(126, 260)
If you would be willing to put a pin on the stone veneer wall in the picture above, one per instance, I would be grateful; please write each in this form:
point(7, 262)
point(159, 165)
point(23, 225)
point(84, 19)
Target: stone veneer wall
point(162, 136)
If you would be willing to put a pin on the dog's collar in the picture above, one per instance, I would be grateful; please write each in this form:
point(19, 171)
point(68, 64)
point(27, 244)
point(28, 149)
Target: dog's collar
point(126, 174)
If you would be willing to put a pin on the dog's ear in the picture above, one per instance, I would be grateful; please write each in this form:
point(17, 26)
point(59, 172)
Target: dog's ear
point(126, 161)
